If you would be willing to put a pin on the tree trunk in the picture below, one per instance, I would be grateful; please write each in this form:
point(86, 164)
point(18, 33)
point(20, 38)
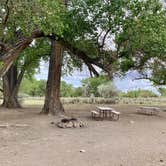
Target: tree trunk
point(11, 84)
point(52, 103)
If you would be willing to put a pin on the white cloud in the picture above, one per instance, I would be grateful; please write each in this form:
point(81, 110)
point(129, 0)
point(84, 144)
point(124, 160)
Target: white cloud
point(124, 84)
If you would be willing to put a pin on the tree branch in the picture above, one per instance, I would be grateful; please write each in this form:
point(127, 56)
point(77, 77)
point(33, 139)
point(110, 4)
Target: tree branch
point(4, 47)
point(104, 38)
point(82, 55)
point(19, 79)
point(7, 13)
point(14, 53)
point(145, 77)
point(92, 69)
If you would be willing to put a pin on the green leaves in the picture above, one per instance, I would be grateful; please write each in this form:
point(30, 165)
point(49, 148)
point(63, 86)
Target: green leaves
point(25, 15)
point(143, 38)
point(1, 64)
point(91, 84)
point(137, 28)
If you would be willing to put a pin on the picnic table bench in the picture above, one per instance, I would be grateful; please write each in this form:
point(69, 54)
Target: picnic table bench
point(148, 110)
point(105, 113)
point(94, 114)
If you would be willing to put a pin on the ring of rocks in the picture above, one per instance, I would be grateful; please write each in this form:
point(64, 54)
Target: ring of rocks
point(70, 123)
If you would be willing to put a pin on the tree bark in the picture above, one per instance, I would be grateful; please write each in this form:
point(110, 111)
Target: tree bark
point(11, 84)
point(52, 103)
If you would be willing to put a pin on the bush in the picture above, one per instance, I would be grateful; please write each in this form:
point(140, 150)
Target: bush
point(78, 92)
point(162, 91)
point(138, 93)
point(33, 87)
point(67, 90)
point(107, 90)
point(90, 85)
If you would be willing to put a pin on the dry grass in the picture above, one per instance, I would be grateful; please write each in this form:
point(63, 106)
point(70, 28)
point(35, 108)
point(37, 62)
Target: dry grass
point(156, 101)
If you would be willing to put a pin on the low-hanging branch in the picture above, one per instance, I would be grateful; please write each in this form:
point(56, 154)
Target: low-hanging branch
point(157, 82)
point(13, 53)
point(87, 60)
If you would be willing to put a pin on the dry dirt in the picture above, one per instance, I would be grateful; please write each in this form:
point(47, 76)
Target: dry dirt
point(134, 140)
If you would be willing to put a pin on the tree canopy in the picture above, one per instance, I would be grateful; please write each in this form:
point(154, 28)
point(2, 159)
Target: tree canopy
point(141, 45)
point(116, 35)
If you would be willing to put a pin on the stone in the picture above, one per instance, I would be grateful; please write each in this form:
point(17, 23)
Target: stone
point(82, 151)
point(69, 125)
point(132, 122)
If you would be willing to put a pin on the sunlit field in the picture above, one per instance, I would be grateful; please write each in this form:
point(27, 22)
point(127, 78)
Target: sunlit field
point(155, 101)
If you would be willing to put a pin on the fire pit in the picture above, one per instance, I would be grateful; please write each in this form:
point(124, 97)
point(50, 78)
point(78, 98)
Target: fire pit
point(70, 123)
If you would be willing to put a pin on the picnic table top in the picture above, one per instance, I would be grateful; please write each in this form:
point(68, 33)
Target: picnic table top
point(102, 108)
point(150, 108)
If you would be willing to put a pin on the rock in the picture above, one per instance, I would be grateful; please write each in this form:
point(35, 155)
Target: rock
point(60, 125)
point(81, 124)
point(82, 151)
point(69, 125)
point(75, 124)
point(132, 122)
point(52, 123)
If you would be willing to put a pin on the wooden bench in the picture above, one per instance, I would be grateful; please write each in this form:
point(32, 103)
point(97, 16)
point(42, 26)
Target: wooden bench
point(94, 114)
point(115, 115)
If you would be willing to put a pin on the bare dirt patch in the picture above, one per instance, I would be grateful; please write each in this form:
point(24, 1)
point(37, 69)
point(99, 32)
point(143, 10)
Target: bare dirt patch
point(134, 140)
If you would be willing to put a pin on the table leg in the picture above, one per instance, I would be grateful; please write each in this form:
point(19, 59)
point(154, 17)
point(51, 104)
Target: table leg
point(101, 114)
point(111, 116)
point(105, 114)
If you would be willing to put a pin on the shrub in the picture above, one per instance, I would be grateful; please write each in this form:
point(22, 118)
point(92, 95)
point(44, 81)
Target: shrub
point(90, 85)
point(162, 91)
point(107, 90)
point(138, 93)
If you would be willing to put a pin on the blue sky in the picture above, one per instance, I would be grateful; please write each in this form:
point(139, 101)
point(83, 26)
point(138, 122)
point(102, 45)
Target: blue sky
point(124, 84)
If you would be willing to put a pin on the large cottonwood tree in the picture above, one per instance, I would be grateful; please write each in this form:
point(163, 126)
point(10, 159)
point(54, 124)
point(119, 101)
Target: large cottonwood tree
point(19, 26)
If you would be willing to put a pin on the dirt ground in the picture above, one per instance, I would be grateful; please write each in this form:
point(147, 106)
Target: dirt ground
point(134, 140)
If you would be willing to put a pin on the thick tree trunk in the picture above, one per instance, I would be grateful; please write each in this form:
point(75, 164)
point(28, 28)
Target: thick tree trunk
point(11, 85)
point(52, 103)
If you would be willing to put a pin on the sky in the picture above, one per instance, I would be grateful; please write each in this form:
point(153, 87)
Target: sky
point(124, 84)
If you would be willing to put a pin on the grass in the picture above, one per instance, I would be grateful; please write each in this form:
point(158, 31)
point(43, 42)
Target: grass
point(157, 101)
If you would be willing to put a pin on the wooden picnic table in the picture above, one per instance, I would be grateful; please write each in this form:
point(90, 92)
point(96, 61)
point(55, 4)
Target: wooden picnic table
point(108, 113)
point(104, 112)
point(148, 110)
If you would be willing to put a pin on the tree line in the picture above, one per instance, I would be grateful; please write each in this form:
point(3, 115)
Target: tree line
point(90, 87)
